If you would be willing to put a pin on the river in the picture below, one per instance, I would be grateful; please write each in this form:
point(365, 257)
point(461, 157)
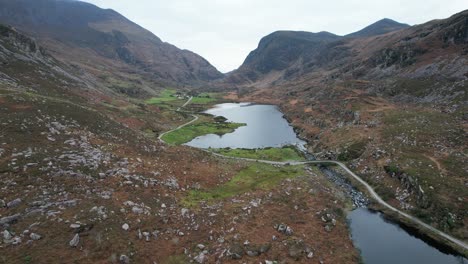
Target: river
point(379, 240)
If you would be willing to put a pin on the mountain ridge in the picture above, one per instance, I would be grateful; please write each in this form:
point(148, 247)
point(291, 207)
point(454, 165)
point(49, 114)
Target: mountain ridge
point(106, 40)
point(380, 27)
point(395, 45)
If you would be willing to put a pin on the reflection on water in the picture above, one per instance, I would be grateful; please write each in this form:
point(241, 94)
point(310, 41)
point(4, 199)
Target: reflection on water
point(383, 242)
point(265, 127)
point(380, 241)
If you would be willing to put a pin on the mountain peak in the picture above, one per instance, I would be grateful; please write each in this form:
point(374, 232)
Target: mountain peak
point(380, 27)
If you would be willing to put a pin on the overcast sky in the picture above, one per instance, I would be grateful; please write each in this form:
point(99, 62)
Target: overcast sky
point(225, 31)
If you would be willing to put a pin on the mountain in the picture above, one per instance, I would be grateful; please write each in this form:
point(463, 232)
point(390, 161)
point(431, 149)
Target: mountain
point(281, 50)
point(385, 48)
point(379, 28)
point(102, 41)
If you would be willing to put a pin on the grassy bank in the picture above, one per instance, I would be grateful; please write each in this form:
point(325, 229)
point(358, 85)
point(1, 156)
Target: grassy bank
point(256, 176)
point(286, 153)
point(166, 96)
point(186, 134)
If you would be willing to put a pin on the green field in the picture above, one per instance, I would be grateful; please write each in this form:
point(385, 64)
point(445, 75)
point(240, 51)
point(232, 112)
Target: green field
point(204, 98)
point(186, 134)
point(286, 153)
point(257, 176)
point(167, 95)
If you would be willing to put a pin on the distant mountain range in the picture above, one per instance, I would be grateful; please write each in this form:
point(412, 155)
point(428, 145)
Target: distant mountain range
point(118, 54)
point(385, 48)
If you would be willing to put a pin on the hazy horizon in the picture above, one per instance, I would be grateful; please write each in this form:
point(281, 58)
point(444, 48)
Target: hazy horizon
point(224, 32)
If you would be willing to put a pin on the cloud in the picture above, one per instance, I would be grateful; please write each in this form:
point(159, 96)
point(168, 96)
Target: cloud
point(225, 31)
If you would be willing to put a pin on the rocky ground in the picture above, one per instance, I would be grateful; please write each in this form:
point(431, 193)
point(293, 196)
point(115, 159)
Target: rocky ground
point(412, 152)
point(76, 189)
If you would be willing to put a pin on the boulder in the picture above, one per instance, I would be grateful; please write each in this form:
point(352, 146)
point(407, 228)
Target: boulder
point(200, 258)
point(75, 241)
point(9, 219)
point(14, 203)
point(124, 259)
point(236, 251)
point(7, 235)
point(35, 236)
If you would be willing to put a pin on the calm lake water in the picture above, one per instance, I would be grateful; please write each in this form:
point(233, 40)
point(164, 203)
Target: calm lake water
point(380, 241)
point(266, 127)
point(384, 242)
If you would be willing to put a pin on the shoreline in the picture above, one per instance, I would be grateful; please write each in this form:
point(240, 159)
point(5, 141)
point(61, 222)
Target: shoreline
point(423, 231)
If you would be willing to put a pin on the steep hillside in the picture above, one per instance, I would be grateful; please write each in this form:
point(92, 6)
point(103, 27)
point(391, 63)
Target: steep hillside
point(392, 106)
point(281, 55)
point(102, 41)
point(431, 49)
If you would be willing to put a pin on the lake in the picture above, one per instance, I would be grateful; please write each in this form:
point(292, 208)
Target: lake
point(265, 127)
point(384, 242)
point(380, 241)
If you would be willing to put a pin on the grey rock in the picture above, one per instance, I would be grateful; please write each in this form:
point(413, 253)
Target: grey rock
point(16, 241)
point(184, 212)
point(296, 249)
point(265, 248)
point(252, 253)
point(2, 203)
point(201, 246)
point(35, 236)
point(252, 250)
point(147, 236)
point(70, 203)
point(200, 258)
point(10, 219)
point(172, 183)
point(14, 203)
point(236, 251)
point(7, 235)
point(124, 259)
point(75, 226)
point(37, 203)
point(282, 228)
point(75, 241)
point(137, 210)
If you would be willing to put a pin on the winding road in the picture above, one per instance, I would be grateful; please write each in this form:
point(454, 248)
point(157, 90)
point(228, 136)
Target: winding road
point(369, 188)
point(195, 118)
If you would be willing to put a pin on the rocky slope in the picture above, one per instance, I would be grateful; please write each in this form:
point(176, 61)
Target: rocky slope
point(437, 48)
point(83, 179)
point(279, 52)
point(102, 41)
point(393, 106)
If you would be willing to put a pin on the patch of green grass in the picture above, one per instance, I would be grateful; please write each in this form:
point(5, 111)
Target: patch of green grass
point(354, 151)
point(186, 134)
point(167, 95)
point(257, 176)
point(180, 259)
point(286, 153)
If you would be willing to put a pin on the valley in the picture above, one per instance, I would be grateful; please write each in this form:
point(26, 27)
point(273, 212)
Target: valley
point(118, 147)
